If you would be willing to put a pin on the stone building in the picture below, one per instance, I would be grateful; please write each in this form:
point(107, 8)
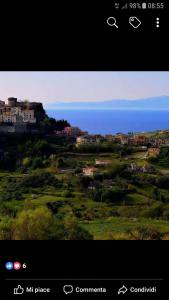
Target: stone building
point(16, 115)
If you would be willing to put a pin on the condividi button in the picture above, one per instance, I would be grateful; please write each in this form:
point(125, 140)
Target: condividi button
point(144, 290)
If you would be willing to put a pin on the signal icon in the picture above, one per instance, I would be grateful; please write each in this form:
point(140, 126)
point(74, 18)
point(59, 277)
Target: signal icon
point(125, 6)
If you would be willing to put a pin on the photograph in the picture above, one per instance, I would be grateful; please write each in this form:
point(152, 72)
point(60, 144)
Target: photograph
point(84, 155)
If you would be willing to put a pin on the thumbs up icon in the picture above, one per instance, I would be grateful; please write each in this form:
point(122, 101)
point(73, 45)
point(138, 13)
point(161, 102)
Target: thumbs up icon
point(19, 290)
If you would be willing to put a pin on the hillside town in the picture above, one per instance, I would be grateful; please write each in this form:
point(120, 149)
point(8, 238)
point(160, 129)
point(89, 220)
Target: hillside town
point(19, 116)
point(24, 116)
point(143, 148)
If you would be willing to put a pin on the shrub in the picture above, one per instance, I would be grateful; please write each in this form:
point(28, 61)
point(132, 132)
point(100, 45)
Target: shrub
point(40, 224)
point(155, 211)
point(37, 163)
point(84, 182)
point(145, 233)
point(6, 228)
point(166, 215)
point(153, 160)
point(74, 231)
point(68, 194)
point(54, 206)
point(39, 179)
point(61, 163)
point(99, 177)
point(32, 224)
point(26, 162)
point(128, 212)
point(112, 195)
point(115, 169)
point(163, 182)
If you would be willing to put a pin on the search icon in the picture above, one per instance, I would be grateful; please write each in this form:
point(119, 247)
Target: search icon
point(111, 21)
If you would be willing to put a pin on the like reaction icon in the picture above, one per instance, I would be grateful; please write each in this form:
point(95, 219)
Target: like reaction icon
point(19, 290)
point(9, 266)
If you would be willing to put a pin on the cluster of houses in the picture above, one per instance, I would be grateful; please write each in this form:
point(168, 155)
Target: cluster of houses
point(88, 139)
point(148, 143)
point(91, 170)
point(137, 140)
point(83, 137)
point(144, 169)
point(71, 131)
point(133, 167)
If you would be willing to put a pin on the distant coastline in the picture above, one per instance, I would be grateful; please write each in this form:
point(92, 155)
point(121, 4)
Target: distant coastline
point(153, 103)
point(113, 121)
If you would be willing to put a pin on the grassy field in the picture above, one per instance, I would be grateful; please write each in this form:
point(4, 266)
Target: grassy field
point(116, 228)
point(113, 203)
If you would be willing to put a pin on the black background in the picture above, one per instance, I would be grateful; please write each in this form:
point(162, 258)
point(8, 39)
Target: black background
point(71, 36)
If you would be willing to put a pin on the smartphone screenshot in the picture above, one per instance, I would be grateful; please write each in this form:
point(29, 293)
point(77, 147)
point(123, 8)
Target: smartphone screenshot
point(84, 150)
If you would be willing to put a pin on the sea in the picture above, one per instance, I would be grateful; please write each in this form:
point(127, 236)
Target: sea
point(113, 121)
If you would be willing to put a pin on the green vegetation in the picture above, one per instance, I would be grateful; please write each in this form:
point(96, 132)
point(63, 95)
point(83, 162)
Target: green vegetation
point(45, 195)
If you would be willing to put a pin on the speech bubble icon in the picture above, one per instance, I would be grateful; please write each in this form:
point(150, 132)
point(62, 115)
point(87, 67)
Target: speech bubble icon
point(68, 289)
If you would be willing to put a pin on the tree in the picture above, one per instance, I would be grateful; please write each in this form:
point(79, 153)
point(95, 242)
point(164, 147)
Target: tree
point(5, 228)
point(115, 169)
point(32, 224)
point(156, 194)
point(99, 176)
point(42, 148)
point(38, 179)
point(41, 224)
point(97, 195)
point(37, 163)
point(84, 182)
point(61, 124)
point(68, 194)
point(50, 124)
point(112, 195)
point(74, 231)
point(60, 163)
point(163, 182)
point(153, 160)
point(26, 162)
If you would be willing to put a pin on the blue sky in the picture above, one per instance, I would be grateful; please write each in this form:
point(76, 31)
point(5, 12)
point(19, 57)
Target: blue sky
point(49, 87)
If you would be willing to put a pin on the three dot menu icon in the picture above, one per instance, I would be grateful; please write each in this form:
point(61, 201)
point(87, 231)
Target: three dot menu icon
point(157, 22)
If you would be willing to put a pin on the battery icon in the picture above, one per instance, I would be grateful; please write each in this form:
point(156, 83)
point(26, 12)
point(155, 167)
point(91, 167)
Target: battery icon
point(144, 5)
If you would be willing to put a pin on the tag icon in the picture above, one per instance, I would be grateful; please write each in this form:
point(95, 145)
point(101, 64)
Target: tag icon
point(134, 22)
